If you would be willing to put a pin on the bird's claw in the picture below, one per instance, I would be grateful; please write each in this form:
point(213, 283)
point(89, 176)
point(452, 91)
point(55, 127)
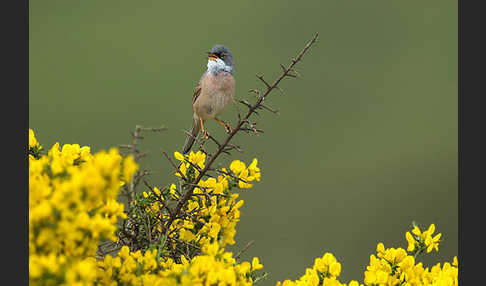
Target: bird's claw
point(228, 128)
point(205, 134)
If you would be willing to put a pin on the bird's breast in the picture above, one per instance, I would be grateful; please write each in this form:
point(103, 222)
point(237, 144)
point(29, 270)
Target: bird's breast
point(216, 94)
point(223, 82)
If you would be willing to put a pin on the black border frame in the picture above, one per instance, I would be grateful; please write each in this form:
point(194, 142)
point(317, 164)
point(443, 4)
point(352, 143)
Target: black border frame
point(470, 142)
point(15, 188)
point(470, 118)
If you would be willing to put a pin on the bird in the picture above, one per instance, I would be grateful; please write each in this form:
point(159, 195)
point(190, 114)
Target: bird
point(213, 93)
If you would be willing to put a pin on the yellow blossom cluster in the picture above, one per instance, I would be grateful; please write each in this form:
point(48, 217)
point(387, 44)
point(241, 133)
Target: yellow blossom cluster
point(325, 271)
point(213, 267)
point(394, 266)
point(219, 213)
point(215, 210)
point(32, 140)
point(390, 266)
point(418, 241)
point(239, 172)
point(188, 162)
point(244, 174)
point(34, 147)
point(72, 206)
point(217, 220)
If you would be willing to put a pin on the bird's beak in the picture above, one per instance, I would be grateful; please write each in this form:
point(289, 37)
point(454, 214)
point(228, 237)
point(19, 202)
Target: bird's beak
point(212, 57)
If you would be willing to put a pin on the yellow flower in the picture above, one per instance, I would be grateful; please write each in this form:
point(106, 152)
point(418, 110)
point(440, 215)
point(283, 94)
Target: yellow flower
point(173, 191)
point(335, 269)
point(32, 140)
point(411, 241)
point(186, 235)
point(416, 231)
point(255, 264)
point(328, 258)
point(228, 275)
point(244, 267)
point(197, 158)
point(407, 263)
point(455, 262)
point(319, 265)
point(184, 260)
point(179, 156)
point(214, 230)
point(431, 229)
point(381, 277)
point(211, 249)
point(370, 277)
point(432, 243)
point(380, 249)
point(129, 168)
point(124, 252)
point(157, 191)
point(254, 170)
point(244, 185)
point(182, 169)
point(237, 167)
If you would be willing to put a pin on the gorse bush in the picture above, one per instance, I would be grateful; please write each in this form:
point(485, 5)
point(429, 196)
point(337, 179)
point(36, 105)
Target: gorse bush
point(73, 207)
point(390, 266)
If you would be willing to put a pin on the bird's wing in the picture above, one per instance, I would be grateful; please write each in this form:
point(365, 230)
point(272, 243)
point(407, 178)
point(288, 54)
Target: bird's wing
point(197, 90)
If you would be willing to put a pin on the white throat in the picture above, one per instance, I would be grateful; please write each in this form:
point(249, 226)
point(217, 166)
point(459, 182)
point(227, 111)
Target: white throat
point(215, 66)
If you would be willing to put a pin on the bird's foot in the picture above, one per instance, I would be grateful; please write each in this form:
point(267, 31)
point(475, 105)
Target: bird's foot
point(228, 128)
point(205, 134)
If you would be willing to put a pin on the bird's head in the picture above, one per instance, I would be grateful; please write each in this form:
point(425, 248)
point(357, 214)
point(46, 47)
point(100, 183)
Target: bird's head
point(220, 59)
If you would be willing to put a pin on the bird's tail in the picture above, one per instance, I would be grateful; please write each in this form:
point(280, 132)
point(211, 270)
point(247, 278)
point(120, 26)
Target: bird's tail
point(196, 126)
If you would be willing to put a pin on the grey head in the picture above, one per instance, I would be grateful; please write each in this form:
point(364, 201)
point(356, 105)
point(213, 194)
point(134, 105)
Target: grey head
point(223, 53)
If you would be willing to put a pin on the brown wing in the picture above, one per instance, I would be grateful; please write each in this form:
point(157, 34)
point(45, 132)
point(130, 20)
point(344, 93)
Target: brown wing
point(197, 90)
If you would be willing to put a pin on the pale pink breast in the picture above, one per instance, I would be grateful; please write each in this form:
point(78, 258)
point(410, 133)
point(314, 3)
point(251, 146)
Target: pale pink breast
point(223, 82)
point(216, 94)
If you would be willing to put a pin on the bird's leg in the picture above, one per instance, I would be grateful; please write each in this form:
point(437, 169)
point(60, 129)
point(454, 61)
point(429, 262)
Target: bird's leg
point(226, 126)
point(204, 132)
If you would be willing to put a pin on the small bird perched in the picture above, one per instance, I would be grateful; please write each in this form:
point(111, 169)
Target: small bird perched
point(213, 93)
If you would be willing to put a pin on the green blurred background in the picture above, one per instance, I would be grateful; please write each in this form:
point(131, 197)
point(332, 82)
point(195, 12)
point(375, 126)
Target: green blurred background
point(366, 139)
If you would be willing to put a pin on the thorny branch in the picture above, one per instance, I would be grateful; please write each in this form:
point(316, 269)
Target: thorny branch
point(288, 71)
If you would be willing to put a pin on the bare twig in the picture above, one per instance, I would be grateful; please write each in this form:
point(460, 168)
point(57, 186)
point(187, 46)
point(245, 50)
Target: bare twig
point(136, 135)
point(260, 77)
point(230, 175)
point(269, 108)
point(244, 249)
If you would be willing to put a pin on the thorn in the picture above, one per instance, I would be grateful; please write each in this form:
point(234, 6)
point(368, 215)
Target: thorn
point(255, 91)
point(269, 108)
point(245, 103)
point(264, 81)
point(128, 146)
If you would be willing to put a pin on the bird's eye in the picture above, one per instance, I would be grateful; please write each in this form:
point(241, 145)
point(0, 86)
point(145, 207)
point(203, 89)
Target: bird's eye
point(223, 55)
